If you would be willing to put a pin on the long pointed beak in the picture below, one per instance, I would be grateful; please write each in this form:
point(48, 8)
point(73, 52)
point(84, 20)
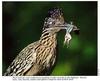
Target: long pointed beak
point(76, 30)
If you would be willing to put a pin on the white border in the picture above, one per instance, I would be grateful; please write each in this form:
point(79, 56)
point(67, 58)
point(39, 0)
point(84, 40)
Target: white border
point(89, 78)
point(98, 37)
point(49, 0)
point(1, 38)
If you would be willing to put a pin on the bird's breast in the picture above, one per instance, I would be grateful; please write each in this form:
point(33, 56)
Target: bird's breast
point(46, 52)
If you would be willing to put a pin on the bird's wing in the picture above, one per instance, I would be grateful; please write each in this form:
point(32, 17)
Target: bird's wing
point(23, 62)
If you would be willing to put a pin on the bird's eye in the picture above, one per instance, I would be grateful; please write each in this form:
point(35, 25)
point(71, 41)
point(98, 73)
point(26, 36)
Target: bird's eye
point(50, 22)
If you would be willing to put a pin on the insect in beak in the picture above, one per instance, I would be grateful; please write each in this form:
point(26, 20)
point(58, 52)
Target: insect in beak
point(69, 28)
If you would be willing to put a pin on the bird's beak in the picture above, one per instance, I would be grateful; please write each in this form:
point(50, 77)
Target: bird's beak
point(76, 30)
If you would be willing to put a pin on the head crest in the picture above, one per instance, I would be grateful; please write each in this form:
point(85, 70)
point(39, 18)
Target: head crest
point(55, 12)
point(53, 18)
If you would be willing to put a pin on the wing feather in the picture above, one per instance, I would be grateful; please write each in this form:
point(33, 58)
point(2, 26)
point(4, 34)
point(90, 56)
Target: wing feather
point(23, 62)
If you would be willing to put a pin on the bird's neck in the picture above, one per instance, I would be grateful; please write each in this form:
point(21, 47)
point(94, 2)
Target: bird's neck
point(48, 38)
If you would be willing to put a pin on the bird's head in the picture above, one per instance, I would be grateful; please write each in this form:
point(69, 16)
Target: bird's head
point(55, 22)
point(54, 18)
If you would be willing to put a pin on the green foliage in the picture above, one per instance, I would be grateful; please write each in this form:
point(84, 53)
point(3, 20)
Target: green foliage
point(62, 69)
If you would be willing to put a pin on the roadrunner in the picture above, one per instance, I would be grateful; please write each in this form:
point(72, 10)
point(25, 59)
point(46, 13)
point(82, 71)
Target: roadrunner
point(38, 58)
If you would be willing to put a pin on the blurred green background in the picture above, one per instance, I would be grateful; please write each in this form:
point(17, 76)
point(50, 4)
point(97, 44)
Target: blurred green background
point(22, 25)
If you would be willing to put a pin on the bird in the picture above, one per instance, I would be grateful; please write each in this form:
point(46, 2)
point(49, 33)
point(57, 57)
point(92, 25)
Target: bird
point(39, 58)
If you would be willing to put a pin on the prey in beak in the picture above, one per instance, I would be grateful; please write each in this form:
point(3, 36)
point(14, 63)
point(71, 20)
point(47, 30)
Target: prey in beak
point(69, 28)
